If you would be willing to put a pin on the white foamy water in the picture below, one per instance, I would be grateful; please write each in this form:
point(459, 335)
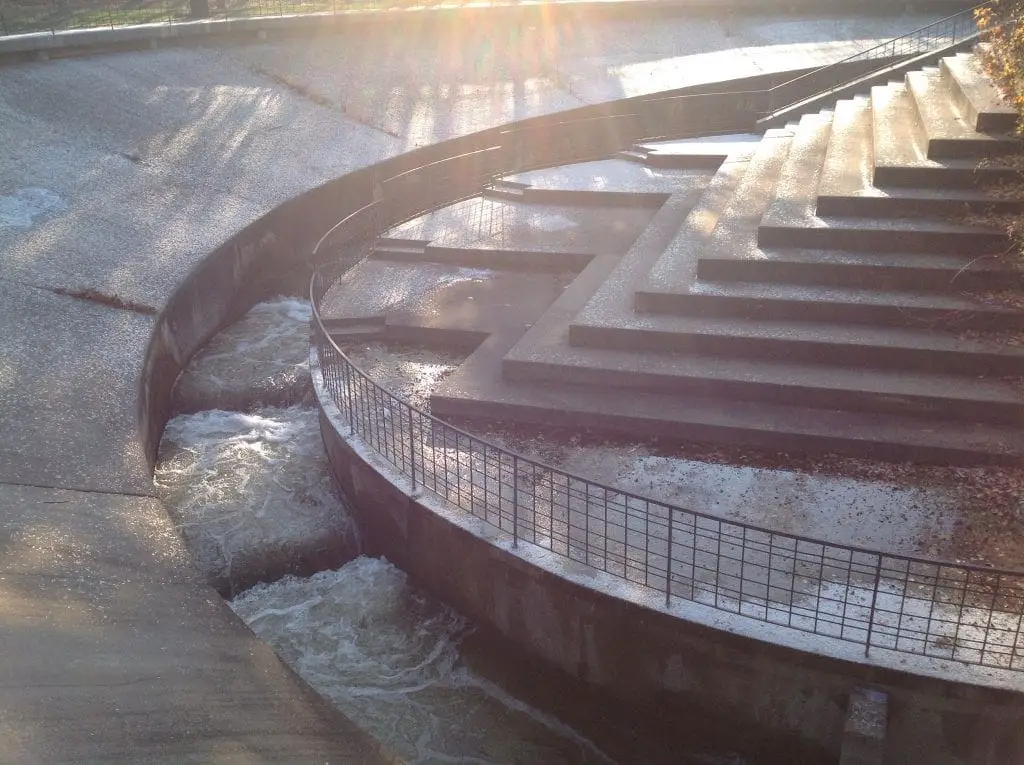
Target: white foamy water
point(260, 360)
point(388, 657)
point(251, 493)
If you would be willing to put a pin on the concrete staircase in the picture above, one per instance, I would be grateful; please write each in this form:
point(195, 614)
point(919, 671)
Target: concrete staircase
point(823, 291)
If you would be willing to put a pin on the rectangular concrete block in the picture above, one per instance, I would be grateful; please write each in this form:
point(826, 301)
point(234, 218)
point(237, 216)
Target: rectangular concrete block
point(865, 728)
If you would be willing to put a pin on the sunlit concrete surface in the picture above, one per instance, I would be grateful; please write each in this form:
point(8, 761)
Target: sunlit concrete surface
point(119, 173)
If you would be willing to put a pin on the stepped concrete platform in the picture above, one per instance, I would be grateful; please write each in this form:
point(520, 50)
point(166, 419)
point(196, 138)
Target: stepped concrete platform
point(798, 282)
point(702, 153)
point(439, 306)
point(845, 185)
point(901, 148)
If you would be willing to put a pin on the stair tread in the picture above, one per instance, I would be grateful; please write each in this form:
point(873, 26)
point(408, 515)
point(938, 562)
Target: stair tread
point(796, 192)
point(954, 263)
point(828, 294)
point(984, 101)
point(866, 223)
point(848, 161)
point(722, 145)
point(773, 372)
point(815, 332)
point(669, 415)
point(939, 117)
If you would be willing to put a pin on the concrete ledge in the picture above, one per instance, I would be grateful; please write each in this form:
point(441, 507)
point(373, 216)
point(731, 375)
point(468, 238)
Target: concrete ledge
point(86, 41)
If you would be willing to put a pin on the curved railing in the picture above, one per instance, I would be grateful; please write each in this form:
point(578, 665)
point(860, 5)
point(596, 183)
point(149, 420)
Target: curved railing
point(970, 614)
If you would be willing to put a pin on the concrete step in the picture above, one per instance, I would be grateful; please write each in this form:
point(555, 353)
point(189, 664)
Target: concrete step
point(673, 161)
point(581, 197)
point(363, 332)
point(910, 348)
point(849, 159)
point(706, 153)
point(845, 187)
point(946, 397)
point(794, 218)
point(949, 134)
point(900, 202)
point(867, 270)
point(911, 235)
point(693, 419)
point(782, 302)
point(724, 222)
point(901, 150)
point(796, 191)
point(395, 248)
point(485, 257)
point(506, 189)
point(975, 96)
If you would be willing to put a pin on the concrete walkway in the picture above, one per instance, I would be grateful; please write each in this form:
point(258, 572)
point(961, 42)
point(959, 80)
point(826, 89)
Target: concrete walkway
point(120, 173)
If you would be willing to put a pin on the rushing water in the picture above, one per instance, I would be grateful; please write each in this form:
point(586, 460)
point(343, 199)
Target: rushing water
point(252, 488)
point(252, 495)
point(260, 360)
point(388, 657)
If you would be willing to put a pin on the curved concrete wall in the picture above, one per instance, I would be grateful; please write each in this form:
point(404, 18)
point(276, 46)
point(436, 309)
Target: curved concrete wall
point(633, 646)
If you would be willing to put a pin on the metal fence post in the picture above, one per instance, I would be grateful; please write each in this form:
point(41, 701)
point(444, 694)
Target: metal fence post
point(515, 500)
point(874, 600)
point(412, 450)
point(668, 562)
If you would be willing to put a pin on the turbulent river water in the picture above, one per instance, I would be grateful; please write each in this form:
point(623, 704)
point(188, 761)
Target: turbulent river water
point(402, 665)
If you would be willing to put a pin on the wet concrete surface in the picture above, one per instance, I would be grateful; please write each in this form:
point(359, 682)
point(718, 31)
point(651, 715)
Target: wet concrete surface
point(498, 224)
point(605, 176)
point(69, 372)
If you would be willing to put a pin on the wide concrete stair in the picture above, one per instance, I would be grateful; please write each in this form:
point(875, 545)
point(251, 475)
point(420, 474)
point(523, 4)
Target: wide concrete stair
point(830, 289)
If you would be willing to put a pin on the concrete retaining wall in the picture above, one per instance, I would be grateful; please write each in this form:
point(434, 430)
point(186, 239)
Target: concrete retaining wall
point(419, 20)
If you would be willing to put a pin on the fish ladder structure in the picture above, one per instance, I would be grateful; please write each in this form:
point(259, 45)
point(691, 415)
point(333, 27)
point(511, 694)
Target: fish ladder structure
point(821, 287)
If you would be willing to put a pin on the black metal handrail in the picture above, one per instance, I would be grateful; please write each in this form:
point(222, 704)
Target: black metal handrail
point(967, 613)
point(937, 36)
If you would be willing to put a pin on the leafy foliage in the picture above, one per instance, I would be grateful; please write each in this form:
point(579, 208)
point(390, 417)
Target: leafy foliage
point(1004, 56)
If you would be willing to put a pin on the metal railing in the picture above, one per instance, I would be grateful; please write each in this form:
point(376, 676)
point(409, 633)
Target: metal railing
point(970, 614)
point(931, 38)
